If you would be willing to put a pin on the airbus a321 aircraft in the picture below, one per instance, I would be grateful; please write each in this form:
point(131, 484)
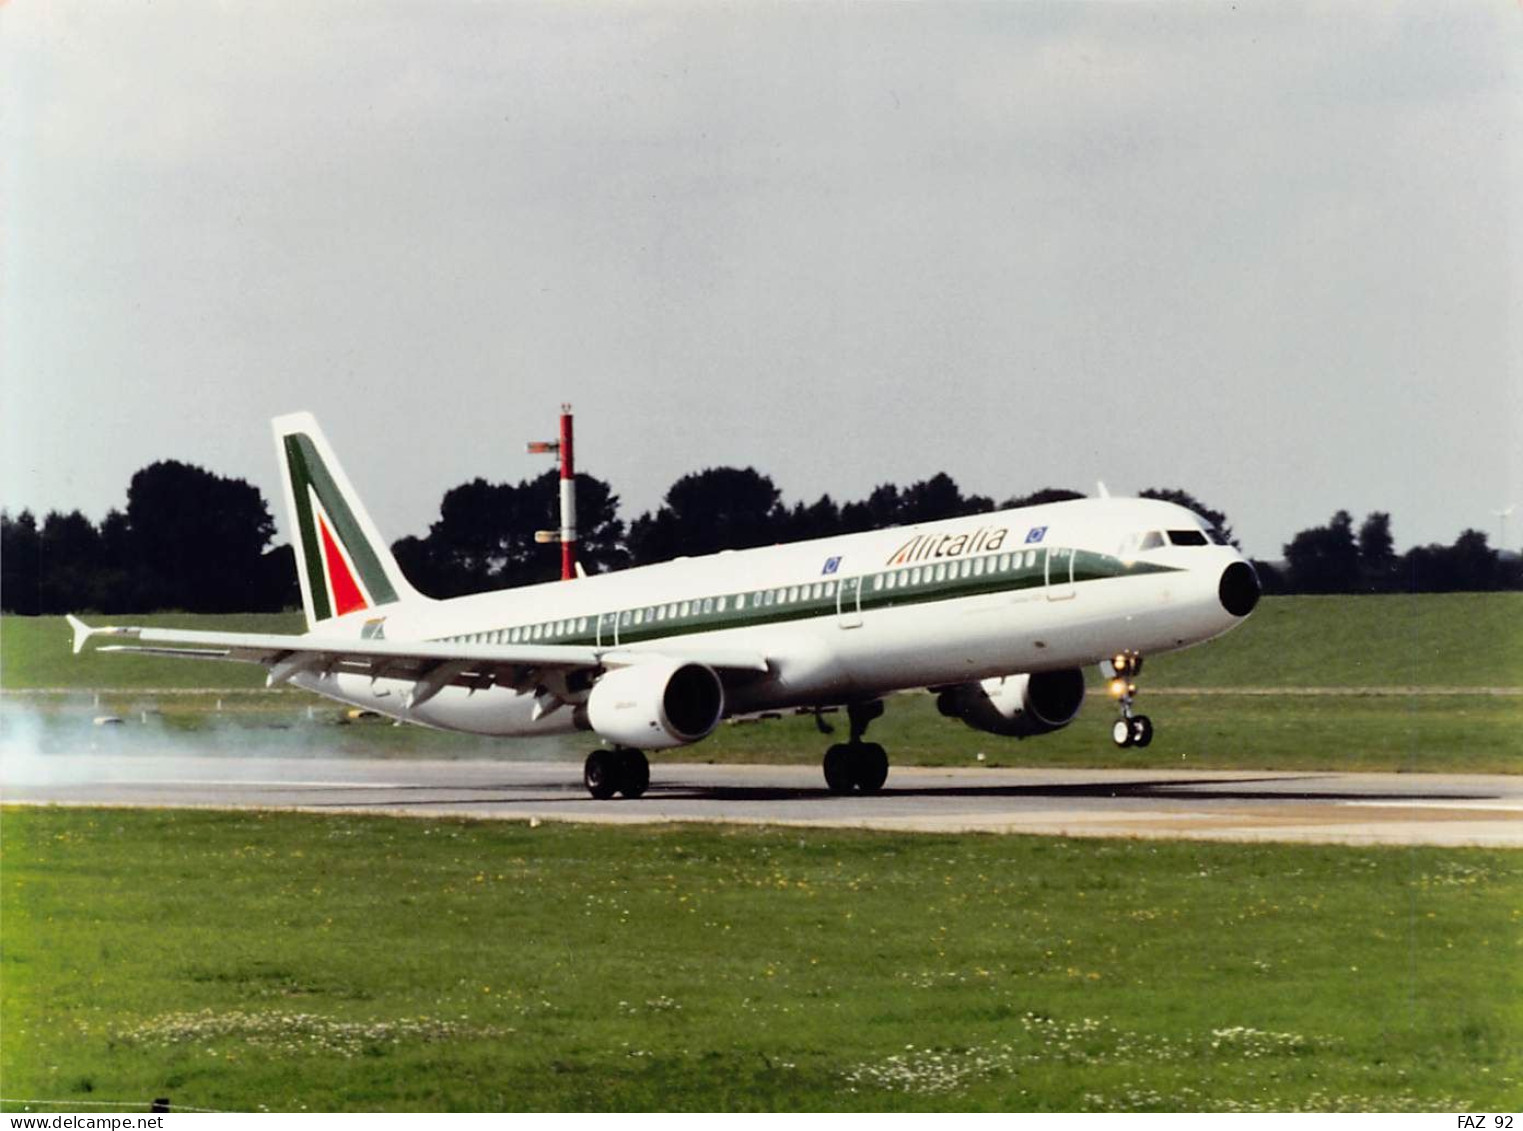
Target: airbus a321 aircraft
point(995, 613)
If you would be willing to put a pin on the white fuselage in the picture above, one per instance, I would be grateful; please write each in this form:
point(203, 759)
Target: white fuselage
point(846, 618)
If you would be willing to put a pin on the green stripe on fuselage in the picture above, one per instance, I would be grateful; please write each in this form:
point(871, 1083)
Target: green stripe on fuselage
point(1088, 567)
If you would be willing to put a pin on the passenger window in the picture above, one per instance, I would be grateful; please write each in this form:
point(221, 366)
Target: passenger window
point(830, 589)
point(624, 618)
point(890, 580)
point(941, 571)
point(683, 609)
point(581, 624)
point(708, 604)
point(978, 567)
point(771, 597)
point(877, 582)
point(1030, 559)
point(793, 593)
point(915, 576)
point(740, 600)
point(1004, 562)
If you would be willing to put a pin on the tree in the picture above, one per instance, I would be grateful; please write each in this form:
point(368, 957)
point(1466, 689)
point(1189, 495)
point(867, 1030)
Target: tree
point(20, 576)
point(937, 498)
point(1216, 518)
point(1324, 559)
point(484, 538)
point(880, 508)
point(69, 561)
point(721, 508)
point(1469, 564)
point(1038, 498)
point(820, 519)
point(1378, 564)
point(196, 539)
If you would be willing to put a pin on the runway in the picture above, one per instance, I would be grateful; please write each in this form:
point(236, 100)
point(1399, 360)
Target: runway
point(1240, 806)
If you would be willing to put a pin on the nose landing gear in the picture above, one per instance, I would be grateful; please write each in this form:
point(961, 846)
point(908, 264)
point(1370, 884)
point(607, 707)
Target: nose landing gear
point(856, 764)
point(1131, 729)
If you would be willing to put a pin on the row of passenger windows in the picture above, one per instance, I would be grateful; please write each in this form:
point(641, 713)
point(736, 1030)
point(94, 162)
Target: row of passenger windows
point(757, 599)
point(952, 571)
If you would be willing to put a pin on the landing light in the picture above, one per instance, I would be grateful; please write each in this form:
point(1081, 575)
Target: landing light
point(1118, 688)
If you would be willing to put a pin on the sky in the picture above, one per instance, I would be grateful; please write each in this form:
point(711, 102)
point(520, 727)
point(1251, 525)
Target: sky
point(1267, 253)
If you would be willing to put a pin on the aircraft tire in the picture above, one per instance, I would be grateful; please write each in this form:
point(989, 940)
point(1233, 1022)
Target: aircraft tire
point(1142, 731)
point(634, 773)
point(869, 767)
point(600, 774)
point(838, 767)
point(1121, 732)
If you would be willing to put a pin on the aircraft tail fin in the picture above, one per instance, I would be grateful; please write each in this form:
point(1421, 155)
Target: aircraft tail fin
point(343, 563)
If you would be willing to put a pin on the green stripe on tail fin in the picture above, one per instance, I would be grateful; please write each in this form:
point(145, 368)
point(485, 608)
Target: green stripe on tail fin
point(344, 564)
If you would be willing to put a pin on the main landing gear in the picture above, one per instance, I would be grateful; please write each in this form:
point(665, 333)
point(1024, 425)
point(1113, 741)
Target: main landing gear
point(1130, 729)
point(856, 764)
point(620, 770)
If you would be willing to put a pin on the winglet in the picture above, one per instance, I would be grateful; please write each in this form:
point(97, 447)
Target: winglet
point(81, 630)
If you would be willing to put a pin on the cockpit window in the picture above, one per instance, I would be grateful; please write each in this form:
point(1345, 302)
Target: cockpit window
point(1150, 541)
point(1187, 538)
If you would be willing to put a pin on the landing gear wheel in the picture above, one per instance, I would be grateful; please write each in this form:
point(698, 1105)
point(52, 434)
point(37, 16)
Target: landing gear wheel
point(634, 773)
point(600, 774)
point(1142, 730)
point(869, 767)
point(1121, 732)
point(838, 767)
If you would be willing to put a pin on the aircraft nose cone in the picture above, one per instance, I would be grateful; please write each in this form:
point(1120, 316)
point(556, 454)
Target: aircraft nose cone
point(1239, 589)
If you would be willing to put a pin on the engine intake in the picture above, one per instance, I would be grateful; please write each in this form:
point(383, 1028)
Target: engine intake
point(1017, 706)
point(656, 705)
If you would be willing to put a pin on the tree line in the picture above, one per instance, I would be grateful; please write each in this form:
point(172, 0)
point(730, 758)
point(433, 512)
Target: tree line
point(195, 541)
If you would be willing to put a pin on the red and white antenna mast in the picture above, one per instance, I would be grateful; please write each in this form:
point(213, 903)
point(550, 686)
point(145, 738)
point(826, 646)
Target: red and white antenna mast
point(566, 536)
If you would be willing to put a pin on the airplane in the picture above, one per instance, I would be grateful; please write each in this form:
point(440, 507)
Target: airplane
point(997, 614)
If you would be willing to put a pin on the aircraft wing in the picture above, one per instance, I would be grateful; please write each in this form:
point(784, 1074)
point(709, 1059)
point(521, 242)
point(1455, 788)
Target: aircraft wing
point(432, 665)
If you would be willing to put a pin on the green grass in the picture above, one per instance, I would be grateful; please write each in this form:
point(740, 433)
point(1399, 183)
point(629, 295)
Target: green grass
point(1423, 640)
point(36, 652)
point(243, 961)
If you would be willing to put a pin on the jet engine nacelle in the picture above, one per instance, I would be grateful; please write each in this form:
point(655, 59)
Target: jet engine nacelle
point(655, 705)
point(1016, 706)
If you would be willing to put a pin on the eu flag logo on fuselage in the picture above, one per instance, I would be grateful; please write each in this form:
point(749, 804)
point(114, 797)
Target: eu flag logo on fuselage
point(831, 565)
point(1035, 534)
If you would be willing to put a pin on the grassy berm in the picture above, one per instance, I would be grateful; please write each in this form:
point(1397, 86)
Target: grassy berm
point(289, 962)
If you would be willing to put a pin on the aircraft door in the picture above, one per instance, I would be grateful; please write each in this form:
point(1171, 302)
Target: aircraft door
point(1060, 573)
point(849, 602)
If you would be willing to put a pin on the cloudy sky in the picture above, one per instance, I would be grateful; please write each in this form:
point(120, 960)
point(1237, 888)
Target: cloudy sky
point(1269, 253)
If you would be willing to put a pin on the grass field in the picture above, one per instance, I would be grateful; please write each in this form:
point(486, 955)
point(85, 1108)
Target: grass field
point(285, 961)
point(1243, 701)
